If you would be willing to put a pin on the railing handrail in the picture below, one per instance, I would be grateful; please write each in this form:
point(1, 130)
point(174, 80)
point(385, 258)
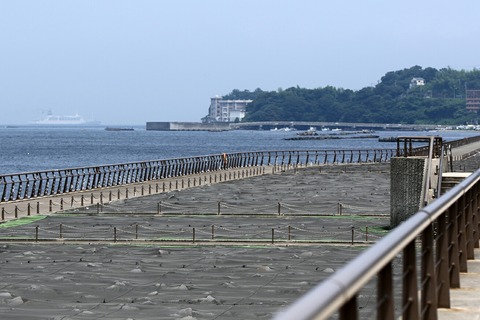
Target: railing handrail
point(29, 185)
point(328, 296)
point(190, 158)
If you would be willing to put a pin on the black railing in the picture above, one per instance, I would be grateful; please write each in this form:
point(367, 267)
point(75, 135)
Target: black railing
point(27, 185)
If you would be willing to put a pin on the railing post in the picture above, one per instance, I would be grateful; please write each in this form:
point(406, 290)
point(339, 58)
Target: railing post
point(453, 255)
point(349, 311)
point(443, 281)
point(385, 299)
point(409, 279)
point(114, 234)
point(36, 233)
point(462, 242)
point(428, 279)
point(218, 208)
point(213, 231)
point(475, 219)
point(61, 231)
point(469, 224)
point(353, 235)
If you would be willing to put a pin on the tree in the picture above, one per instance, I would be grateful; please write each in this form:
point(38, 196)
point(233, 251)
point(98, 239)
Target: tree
point(440, 100)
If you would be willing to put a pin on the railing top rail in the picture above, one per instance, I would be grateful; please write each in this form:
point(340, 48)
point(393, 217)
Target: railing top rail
point(192, 157)
point(327, 297)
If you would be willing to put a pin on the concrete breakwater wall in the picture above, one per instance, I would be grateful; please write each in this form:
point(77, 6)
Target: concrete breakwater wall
point(187, 126)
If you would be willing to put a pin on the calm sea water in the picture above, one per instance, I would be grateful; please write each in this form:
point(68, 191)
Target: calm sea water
point(30, 148)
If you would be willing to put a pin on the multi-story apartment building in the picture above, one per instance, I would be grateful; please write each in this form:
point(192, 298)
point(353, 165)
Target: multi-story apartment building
point(473, 100)
point(226, 110)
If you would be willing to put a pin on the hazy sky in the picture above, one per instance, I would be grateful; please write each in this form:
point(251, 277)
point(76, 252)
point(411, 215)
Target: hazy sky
point(129, 62)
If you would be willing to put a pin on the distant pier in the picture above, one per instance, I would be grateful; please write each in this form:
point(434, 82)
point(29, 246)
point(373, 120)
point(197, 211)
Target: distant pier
point(267, 125)
point(188, 126)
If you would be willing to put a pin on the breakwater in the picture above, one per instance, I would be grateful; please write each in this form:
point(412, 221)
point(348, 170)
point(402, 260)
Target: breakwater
point(27, 185)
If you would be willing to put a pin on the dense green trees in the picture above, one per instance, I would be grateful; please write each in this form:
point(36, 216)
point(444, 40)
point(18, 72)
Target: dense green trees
point(440, 101)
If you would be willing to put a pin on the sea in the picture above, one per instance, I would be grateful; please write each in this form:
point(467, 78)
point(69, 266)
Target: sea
point(36, 148)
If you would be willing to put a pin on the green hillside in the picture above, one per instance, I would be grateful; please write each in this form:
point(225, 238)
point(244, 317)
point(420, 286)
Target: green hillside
point(441, 100)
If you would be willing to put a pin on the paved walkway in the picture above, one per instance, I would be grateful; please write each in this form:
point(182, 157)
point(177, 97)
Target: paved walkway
point(466, 149)
point(465, 301)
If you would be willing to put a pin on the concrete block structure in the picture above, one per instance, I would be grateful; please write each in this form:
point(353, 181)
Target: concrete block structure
point(407, 181)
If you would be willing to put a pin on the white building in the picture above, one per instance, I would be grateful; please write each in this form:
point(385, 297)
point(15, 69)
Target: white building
point(417, 82)
point(226, 110)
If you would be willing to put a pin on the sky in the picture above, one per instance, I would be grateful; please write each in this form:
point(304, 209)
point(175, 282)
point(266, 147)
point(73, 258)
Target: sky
point(131, 62)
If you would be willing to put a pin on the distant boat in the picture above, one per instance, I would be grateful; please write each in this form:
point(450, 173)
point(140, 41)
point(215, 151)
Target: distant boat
point(283, 129)
point(312, 131)
point(53, 119)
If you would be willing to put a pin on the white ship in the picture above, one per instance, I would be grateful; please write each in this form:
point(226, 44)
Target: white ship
point(53, 119)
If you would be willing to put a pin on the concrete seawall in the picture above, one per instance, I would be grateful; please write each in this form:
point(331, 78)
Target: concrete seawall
point(187, 126)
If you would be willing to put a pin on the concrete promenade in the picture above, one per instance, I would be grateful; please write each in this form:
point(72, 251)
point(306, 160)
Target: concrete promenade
point(465, 301)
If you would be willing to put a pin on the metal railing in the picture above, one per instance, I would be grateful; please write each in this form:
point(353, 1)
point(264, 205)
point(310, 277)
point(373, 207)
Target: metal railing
point(447, 231)
point(27, 185)
point(433, 146)
point(464, 141)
